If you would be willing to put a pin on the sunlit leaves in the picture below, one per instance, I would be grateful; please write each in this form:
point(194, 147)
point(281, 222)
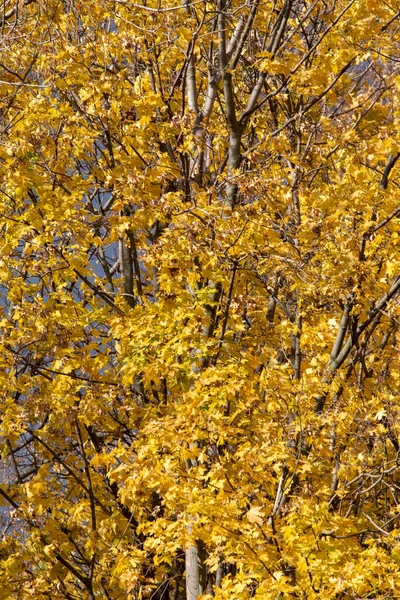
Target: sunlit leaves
point(173, 364)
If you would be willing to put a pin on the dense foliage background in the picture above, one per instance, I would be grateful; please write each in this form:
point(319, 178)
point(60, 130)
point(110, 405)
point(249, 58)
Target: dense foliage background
point(199, 312)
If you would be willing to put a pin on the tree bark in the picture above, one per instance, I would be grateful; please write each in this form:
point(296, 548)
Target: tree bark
point(195, 571)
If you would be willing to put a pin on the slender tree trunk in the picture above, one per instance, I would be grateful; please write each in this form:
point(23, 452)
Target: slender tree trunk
point(195, 571)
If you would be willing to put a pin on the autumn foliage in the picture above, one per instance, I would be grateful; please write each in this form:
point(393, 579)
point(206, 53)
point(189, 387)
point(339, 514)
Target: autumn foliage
point(199, 299)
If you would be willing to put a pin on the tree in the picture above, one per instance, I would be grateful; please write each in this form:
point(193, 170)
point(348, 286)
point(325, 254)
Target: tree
point(199, 299)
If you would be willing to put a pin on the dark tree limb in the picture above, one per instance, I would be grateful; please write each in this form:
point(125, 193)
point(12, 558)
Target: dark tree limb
point(391, 161)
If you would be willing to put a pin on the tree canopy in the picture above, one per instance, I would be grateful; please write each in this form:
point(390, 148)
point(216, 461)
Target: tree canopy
point(199, 307)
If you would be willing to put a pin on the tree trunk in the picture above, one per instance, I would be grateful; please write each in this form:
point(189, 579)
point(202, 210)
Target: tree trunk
point(195, 571)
